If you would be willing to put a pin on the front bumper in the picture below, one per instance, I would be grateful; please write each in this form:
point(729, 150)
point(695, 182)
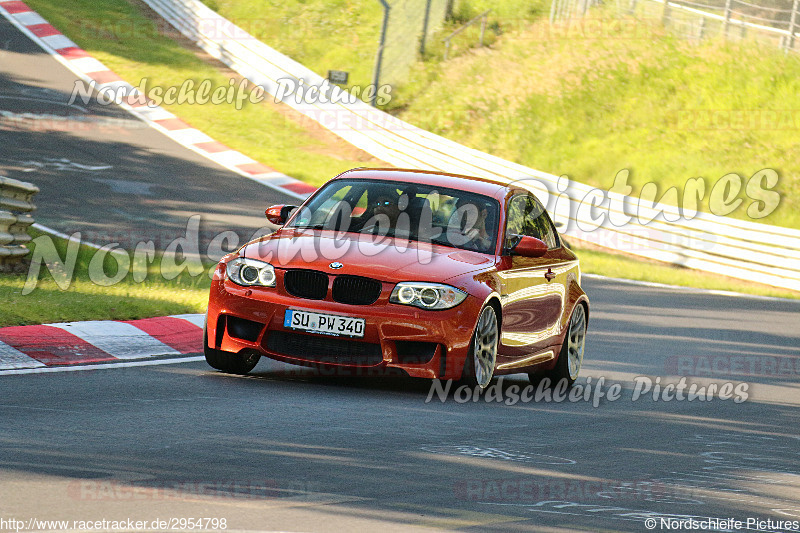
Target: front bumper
point(421, 343)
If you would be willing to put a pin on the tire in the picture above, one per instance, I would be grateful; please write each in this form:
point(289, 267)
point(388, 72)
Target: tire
point(229, 362)
point(482, 355)
point(570, 359)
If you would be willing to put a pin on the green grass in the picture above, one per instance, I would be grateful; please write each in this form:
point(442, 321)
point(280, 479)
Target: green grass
point(588, 103)
point(118, 33)
point(85, 300)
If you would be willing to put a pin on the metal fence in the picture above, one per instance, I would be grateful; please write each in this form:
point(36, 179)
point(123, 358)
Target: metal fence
point(483, 18)
point(410, 24)
point(15, 207)
point(566, 10)
point(774, 22)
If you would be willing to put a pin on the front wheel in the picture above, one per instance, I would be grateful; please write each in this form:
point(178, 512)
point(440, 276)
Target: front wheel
point(482, 356)
point(229, 362)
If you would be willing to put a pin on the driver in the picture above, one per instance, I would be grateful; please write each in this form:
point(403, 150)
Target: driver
point(387, 204)
point(470, 220)
point(384, 209)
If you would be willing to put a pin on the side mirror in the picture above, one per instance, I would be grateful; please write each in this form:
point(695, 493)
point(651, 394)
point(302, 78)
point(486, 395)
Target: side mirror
point(529, 247)
point(279, 214)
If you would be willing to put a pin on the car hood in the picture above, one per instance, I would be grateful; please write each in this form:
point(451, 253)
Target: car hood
point(385, 259)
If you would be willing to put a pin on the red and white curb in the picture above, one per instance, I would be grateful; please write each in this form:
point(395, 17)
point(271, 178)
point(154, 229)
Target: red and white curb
point(107, 341)
point(90, 69)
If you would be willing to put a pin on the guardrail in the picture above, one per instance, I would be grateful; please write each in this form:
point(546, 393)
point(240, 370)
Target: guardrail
point(16, 204)
point(736, 248)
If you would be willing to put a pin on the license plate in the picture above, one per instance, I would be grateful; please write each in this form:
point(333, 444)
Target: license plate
point(326, 324)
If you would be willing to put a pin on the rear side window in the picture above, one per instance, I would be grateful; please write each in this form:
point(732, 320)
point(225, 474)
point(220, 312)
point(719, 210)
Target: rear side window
point(527, 216)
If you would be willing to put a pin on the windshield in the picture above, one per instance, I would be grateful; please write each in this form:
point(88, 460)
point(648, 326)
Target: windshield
point(404, 210)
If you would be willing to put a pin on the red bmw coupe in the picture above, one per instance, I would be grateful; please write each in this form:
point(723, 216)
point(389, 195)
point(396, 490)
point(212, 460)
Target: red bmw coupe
point(438, 275)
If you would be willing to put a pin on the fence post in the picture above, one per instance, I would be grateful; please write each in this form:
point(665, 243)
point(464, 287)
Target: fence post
point(665, 13)
point(793, 24)
point(701, 30)
point(571, 6)
point(425, 28)
point(483, 27)
point(376, 78)
point(632, 8)
point(448, 10)
point(727, 18)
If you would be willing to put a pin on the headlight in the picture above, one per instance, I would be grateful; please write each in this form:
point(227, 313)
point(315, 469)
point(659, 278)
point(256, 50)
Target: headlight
point(427, 295)
point(249, 272)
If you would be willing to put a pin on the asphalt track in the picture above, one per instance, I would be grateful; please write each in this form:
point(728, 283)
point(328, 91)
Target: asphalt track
point(288, 449)
point(104, 172)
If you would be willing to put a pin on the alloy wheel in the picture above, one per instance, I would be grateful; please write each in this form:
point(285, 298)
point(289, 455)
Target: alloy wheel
point(484, 354)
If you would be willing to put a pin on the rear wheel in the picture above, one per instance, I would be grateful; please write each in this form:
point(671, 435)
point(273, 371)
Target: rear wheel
point(482, 356)
point(570, 359)
point(229, 362)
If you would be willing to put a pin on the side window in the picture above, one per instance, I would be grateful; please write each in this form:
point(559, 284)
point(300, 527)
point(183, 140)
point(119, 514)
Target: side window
point(515, 220)
point(527, 216)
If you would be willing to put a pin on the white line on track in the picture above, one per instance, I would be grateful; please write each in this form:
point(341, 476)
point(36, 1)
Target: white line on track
point(688, 289)
point(101, 366)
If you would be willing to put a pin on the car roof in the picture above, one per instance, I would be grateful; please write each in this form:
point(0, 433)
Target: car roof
point(484, 186)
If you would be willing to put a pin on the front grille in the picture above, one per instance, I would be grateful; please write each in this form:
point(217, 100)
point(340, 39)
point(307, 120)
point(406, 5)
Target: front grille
point(310, 284)
point(355, 290)
point(321, 349)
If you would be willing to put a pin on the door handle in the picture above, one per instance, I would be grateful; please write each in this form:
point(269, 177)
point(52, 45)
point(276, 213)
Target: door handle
point(549, 275)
